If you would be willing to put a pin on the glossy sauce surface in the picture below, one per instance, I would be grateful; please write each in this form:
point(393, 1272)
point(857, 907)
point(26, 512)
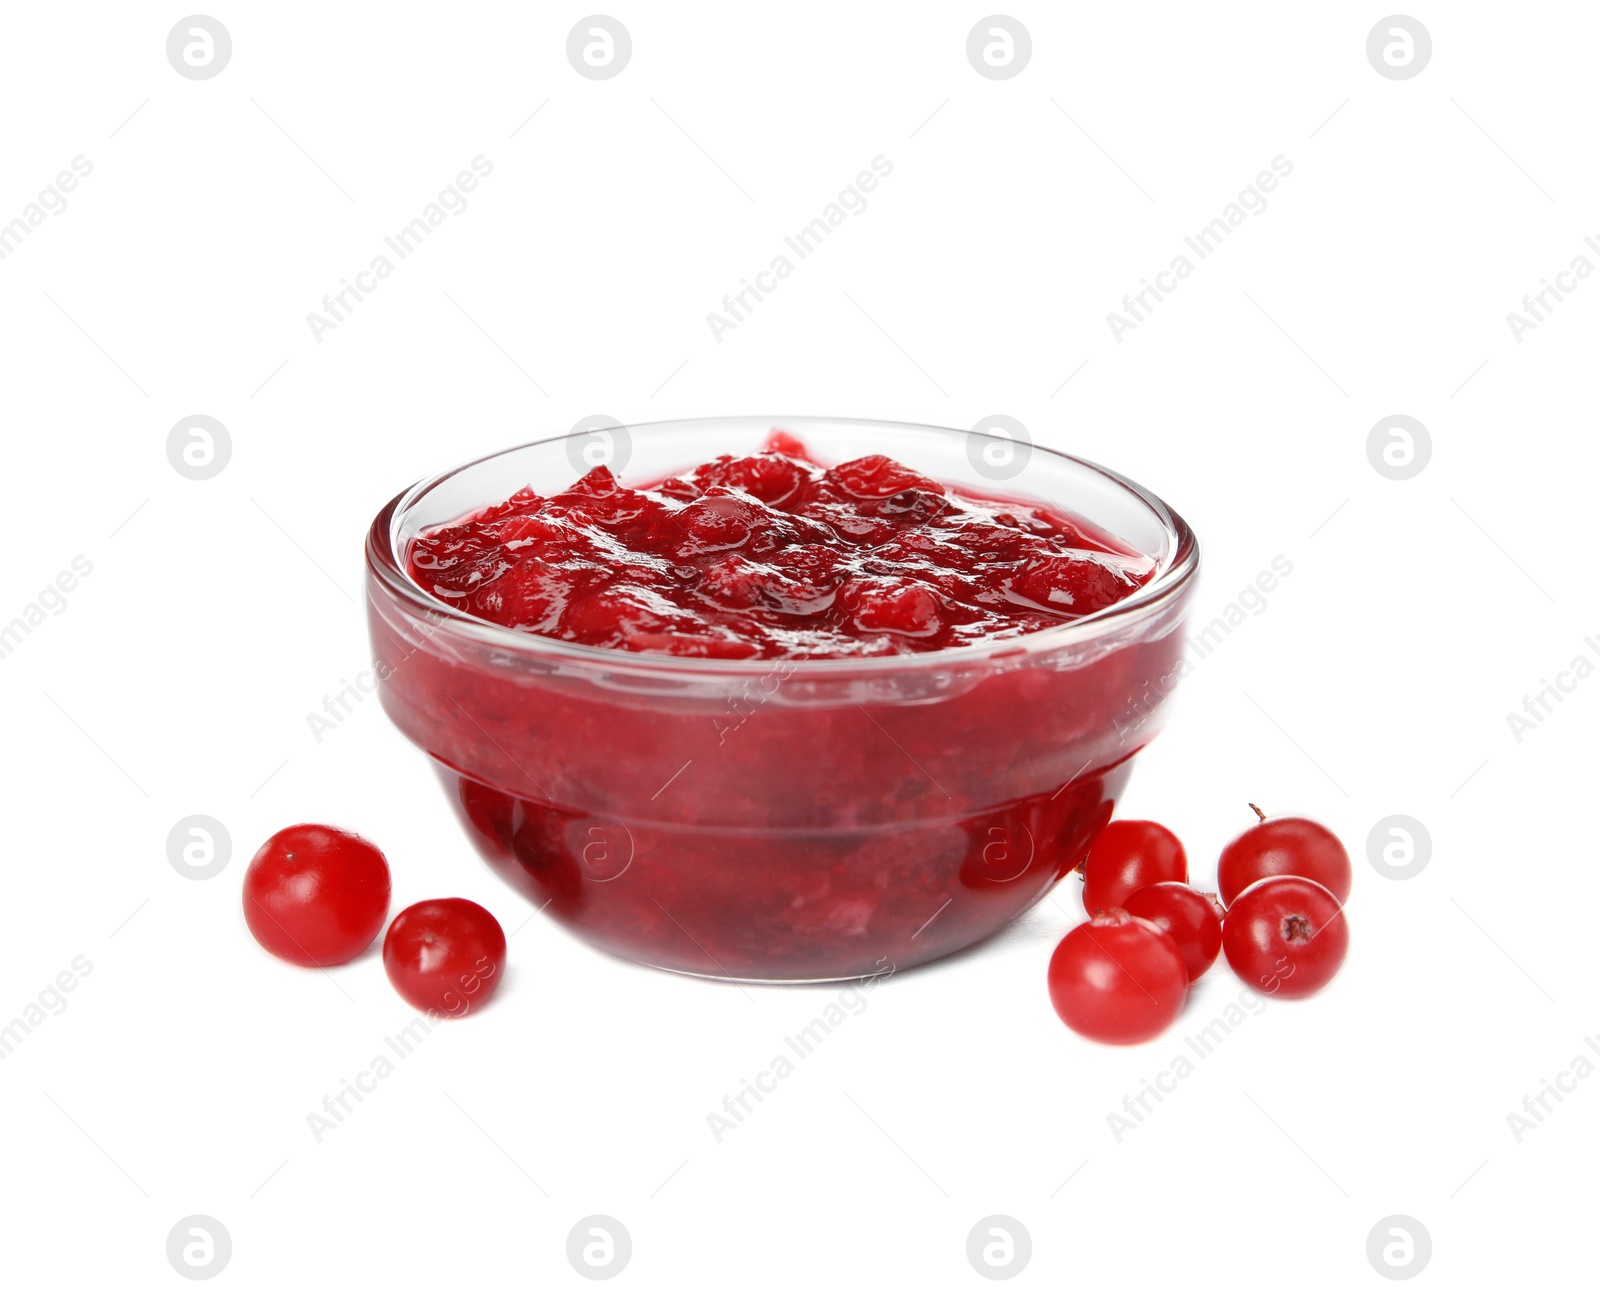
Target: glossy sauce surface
point(772, 555)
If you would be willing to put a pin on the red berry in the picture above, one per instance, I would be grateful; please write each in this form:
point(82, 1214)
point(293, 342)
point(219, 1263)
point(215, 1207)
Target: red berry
point(781, 442)
point(909, 607)
point(445, 956)
point(1286, 936)
point(769, 477)
point(878, 477)
point(1129, 854)
point(1284, 848)
point(315, 895)
point(1189, 917)
point(1080, 584)
point(1118, 979)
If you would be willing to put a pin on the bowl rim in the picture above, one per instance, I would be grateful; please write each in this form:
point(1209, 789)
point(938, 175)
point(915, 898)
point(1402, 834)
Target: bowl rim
point(386, 565)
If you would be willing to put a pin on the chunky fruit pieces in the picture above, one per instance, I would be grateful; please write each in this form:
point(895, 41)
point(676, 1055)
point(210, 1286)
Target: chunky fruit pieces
point(771, 555)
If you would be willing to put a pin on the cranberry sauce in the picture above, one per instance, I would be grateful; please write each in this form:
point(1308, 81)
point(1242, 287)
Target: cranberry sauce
point(772, 556)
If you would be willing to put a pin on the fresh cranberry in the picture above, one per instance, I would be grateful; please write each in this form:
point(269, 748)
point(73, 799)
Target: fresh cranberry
point(1129, 854)
point(1286, 936)
point(445, 956)
point(771, 555)
point(315, 895)
point(1192, 920)
point(1284, 848)
point(1118, 979)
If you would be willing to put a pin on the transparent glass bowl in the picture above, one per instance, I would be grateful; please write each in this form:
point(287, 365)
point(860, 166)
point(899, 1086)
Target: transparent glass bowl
point(781, 820)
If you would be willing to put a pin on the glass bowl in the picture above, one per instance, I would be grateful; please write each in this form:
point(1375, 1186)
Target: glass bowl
point(781, 820)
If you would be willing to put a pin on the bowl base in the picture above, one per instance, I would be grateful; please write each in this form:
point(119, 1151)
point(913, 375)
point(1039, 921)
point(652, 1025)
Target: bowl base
point(778, 907)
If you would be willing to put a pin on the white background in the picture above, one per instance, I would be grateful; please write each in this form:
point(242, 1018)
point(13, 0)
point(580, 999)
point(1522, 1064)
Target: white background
point(1377, 681)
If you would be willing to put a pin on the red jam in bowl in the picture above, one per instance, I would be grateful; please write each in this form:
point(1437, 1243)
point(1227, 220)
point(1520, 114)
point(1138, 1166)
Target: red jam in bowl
point(770, 720)
point(772, 556)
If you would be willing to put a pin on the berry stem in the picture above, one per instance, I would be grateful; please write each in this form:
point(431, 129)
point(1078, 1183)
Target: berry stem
point(1257, 809)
